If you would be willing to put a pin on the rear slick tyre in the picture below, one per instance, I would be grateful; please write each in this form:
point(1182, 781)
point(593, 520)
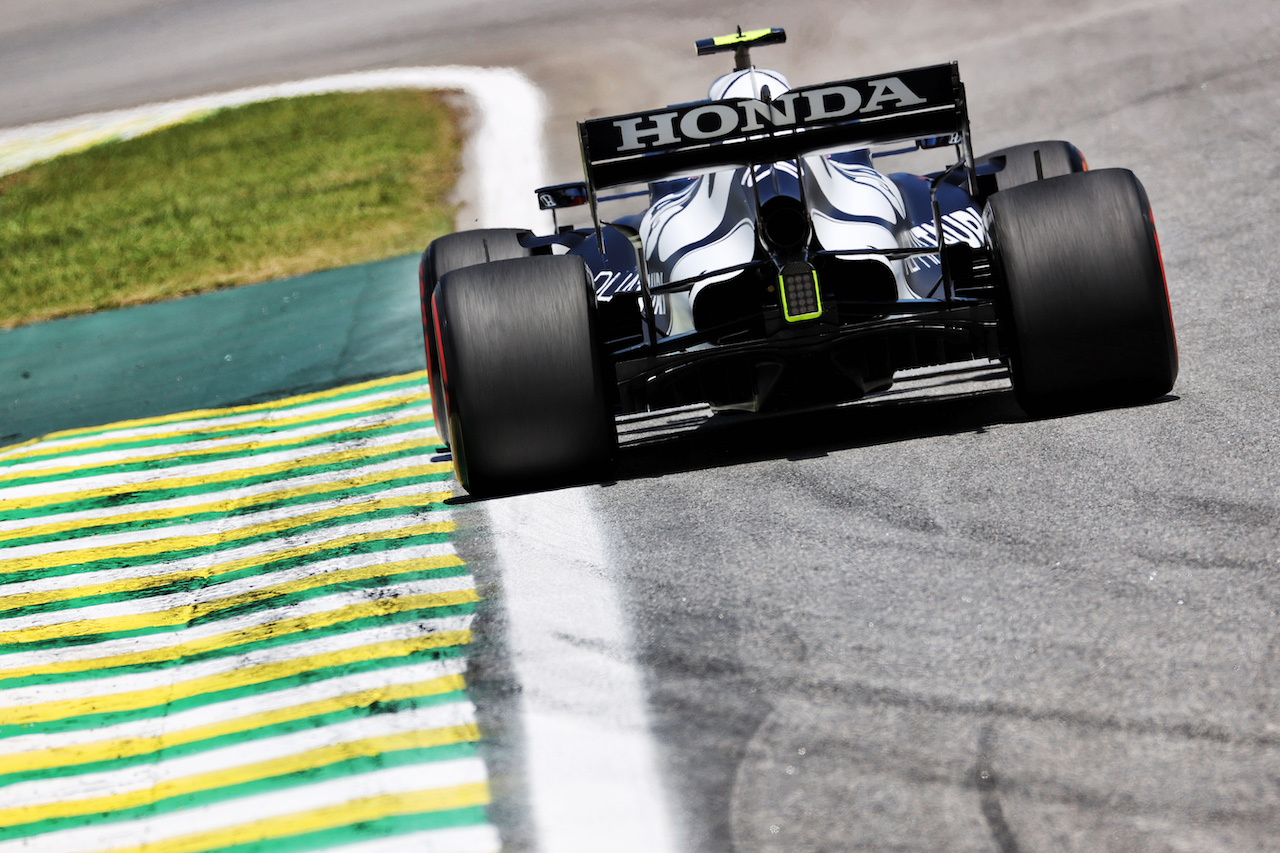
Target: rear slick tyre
point(1033, 161)
point(1084, 309)
point(529, 396)
point(444, 255)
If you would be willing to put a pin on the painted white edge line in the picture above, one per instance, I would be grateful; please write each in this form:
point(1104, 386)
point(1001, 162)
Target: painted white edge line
point(509, 131)
point(592, 767)
point(594, 779)
point(594, 782)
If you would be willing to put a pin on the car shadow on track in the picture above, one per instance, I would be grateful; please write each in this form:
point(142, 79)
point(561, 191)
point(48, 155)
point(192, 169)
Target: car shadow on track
point(695, 438)
point(698, 440)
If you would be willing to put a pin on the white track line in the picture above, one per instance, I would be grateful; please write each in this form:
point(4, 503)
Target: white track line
point(594, 780)
point(593, 774)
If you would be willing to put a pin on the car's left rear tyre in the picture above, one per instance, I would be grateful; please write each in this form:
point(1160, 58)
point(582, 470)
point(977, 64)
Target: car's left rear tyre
point(444, 255)
point(1084, 308)
point(529, 395)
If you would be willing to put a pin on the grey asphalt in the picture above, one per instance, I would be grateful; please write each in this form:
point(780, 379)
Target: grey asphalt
point(934, 625)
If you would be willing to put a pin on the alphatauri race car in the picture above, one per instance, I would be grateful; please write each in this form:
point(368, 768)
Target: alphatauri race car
point(775, 267)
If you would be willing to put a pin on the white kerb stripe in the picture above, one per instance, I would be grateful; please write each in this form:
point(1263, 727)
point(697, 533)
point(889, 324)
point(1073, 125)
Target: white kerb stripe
point(223, 527)
point(108, 455)
point(187, 636)
point(247, 466)
point(467, 839)
point(146, 776)
point(235, 709)
point(189, 821)
point(16, 698)
point(213, 558)
point(183, 601)
point(336, 478)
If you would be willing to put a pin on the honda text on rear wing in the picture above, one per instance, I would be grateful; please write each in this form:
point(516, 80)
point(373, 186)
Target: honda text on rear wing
point(923, 104)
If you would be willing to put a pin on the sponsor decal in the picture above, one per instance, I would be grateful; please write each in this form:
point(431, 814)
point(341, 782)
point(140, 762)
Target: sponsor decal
point(813, 106)
point(609, 284)
point(958, 226)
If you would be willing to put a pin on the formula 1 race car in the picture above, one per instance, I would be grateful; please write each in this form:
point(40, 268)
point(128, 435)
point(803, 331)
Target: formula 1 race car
point(774, 267)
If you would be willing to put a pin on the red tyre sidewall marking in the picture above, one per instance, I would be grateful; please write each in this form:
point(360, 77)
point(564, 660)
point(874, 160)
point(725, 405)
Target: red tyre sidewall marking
point(1163, 280)
point(442, 405)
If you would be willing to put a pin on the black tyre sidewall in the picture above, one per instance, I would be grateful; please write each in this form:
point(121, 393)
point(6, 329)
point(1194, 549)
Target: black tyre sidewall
point(1085, 315)
point(528, 394)
point(1057, 158)
point(448, 253)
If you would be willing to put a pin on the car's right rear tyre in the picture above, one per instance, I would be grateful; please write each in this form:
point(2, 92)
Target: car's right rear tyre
point(444, 255)
point(529, 394)
point(1084, 309)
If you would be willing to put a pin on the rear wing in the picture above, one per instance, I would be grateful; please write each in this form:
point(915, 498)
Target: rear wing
point(916, 104)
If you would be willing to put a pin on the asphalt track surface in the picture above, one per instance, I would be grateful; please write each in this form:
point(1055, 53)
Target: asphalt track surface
point(926, 625)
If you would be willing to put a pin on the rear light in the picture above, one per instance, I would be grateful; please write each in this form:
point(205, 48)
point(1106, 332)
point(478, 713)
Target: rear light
point(800, 297)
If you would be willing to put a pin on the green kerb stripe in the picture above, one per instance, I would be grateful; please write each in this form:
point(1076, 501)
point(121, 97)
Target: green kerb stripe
point(182, 750)
point(143, 493)
point(324, 773)
point(175, 439)
point(369, 546)
point(253, 600)
point(412, 380)
point(111, 718)
point(411, 424)
point(394, 618)
point(386, 827)
point(338, 489)
point(227, 545)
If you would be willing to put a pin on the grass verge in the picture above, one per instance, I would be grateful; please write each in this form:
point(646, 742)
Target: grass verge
point(248, 194)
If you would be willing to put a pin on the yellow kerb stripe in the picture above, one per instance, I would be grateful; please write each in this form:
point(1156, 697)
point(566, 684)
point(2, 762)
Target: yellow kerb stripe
point(199, 414)
point(134, 550)
point(225, 506)
point(263, 673)
point(186, 613)
point(297, 763)
point(125, 747)
point(327, 458)
point(202, 433)
point(197, 452)
point(131, 584)
point(346, 814)
point(274, 424)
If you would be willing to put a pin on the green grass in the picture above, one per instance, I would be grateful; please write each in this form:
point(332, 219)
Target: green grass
point(248, 194)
